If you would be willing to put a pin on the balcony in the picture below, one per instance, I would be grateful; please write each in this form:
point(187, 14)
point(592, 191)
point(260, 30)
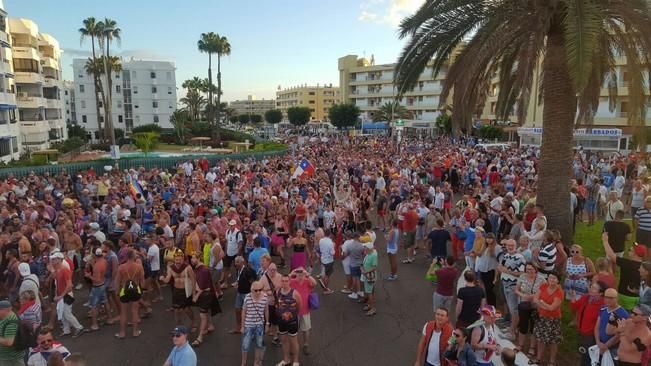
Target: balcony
point(49, 62)
point(25, 51)
point(50, 82)
point(52, 103)
point(34, 127)
point(6, 97)
point(4, 39)
point(26, 100)
point(28, 77)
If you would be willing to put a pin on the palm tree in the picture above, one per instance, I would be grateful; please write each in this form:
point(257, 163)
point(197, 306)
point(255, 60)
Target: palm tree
point(109, 32)
point(390, 111)
point(224, 49)
point(91, 29)
point(178, 119)
point(195, 83)
point(579, 40)
point(193, 102)
point(212, 43)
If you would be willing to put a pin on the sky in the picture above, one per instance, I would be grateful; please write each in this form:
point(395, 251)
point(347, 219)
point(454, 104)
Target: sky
point(274, 42)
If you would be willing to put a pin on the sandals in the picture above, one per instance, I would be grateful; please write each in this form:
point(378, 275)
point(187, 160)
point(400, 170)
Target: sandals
point(137, 334)
point(197, 342)
point(118, 336)
point(371, 312)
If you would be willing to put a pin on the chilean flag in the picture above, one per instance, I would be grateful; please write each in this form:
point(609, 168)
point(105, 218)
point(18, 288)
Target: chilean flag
point(304, 169)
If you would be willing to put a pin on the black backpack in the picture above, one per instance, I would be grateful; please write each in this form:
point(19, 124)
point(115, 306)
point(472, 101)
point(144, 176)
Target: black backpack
point(25, 335)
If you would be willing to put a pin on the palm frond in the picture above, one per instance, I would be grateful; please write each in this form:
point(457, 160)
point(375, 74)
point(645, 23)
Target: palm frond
point(583, 26)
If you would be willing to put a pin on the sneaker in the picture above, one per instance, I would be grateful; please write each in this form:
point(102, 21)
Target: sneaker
point(360, 293)
point(345, 290)
point(353, 296)
point(407, 261)
point(61, 335)
point(78, 333)
point(79, 286)
point(391, 277)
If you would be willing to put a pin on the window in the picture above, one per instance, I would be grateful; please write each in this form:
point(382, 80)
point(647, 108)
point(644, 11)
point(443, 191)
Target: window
point(155, 119)
point(311, 102)
point(84, 119)
point(80, 76)
point(83, 104)
point(136, 106)
point(171, 106)
point(152, 75)
point(66, 92)
point(14, 144)
point(154, 90)
point(101, 104)
point(135, 90)
point(169, 90)
point(311, 93)
point(169, 75)
point(120, 118)
point(101, 119)
point(117, 88)
point(133, 74)
point(117, 75)
point(154, 104)
point(119, 104)
point(82, 88)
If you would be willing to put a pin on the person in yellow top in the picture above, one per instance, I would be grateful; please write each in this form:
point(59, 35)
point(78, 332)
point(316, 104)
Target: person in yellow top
point(102, 188)
point(193, 240)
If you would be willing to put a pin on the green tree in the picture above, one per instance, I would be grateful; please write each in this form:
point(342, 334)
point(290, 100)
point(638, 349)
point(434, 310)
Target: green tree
point(179, 120)
point(391, 111)
point(91, 30)
point(75, 130)
point(195, 83)
point(490, 132)
point(344, 115)
point(150, 127)
point(233, 119)
point(298, 116)
point(575, 42)
point(109, 32)
point(146, 141)
point(256, 118)
point(243, 119)
point(193, 102)
point(273, 116)
point(444, 123)
point(212, 43)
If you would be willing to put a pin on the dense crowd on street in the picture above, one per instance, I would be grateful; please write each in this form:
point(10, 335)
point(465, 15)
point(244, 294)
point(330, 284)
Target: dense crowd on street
point(274, 231)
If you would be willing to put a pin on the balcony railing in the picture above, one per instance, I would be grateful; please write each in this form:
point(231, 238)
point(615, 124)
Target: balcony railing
point(31, 118)
point(25, 45)
point(623, 114)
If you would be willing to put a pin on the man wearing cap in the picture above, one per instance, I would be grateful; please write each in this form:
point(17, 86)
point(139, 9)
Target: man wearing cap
point(611, 311)
point(8, 329)
point(484, 336)
point(182, 354)
point(642, 221)
point(234, 244)
point(629, 277)
point(94, 231)
point(97, 276)
point(64, 296)
point(30, 281)
point(634, 335)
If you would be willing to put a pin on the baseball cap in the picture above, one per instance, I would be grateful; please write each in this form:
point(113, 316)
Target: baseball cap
point(98, 252)
point(24, 270)
point(232, 222)
point(179, 330)
point(56, 255)
point(94, 226)
point(490, 311)
point(640, 250)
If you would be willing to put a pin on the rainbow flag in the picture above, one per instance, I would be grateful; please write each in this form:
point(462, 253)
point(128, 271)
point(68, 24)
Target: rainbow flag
point(135, 188)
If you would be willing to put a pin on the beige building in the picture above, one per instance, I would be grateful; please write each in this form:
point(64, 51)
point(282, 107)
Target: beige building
point(10, 139)
point(369, 86)
point(318, 98)
point(37, 69)
point(252, 106)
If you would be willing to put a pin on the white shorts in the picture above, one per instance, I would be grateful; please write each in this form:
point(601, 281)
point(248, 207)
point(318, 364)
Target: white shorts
point(305, 323)
point(346, 264)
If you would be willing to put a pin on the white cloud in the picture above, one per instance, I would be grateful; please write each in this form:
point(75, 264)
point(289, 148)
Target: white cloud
point(389, 12)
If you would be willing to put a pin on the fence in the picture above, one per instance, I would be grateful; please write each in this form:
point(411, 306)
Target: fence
point(127, 163)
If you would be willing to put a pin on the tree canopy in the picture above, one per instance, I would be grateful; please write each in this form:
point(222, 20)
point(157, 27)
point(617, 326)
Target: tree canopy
point(273, 116)
point(344, 115)
point(298, 116)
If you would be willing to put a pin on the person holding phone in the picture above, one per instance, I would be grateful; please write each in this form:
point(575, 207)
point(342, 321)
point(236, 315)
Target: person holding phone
point(303, 283)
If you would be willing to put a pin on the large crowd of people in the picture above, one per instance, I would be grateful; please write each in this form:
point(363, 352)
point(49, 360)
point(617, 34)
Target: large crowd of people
point(274, 231)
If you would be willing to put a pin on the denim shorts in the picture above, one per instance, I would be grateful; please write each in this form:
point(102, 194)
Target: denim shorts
point(97, 296)
point(256, 333)
point(356, 271)
point(239, 300)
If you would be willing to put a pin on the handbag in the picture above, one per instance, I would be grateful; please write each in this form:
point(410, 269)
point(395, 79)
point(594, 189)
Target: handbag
point(313, 301)
point(68, 299)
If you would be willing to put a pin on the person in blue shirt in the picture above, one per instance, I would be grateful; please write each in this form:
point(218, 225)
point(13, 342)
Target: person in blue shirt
point(610, 313)
point(182, 354)
point(255, 257)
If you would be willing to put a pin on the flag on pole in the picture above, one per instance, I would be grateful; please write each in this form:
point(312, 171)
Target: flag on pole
point(304, 169)
point(135, 187)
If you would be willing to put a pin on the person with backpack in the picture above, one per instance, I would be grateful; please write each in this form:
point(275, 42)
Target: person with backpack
point(9, 329)
point(131, 278)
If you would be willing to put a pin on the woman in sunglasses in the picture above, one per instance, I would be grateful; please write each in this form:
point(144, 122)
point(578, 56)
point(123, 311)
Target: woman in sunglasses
point(578, 269)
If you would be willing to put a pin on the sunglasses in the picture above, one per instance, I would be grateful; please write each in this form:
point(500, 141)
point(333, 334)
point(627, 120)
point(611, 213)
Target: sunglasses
point(575, 252)
point(634, 313)
point(177, 335)
point(257, 290)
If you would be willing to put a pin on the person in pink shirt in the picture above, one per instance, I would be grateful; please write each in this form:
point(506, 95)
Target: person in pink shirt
point(303, 283)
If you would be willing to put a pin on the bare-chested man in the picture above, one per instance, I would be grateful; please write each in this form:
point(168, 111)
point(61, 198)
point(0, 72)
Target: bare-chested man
point(634, 336)
point(183, 287)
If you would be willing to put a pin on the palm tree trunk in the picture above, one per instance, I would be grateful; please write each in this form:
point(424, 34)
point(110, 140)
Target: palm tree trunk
point(96, 86)
point(558, 120)
point(210, 122)
point(109, 100)
point(215, 131)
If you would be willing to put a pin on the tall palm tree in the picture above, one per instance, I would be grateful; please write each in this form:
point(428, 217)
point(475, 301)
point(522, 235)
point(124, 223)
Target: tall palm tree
point(195, 83)
point(579, 40)
point(193, 102)
point(109, 31)
point(209, 43)
point(91, 29)
point(390, 111)
point(224, 49)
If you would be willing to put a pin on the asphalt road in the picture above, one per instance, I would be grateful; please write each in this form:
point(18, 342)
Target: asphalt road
point(342, 334)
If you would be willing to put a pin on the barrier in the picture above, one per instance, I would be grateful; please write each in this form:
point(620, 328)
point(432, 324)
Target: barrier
point(128, 163)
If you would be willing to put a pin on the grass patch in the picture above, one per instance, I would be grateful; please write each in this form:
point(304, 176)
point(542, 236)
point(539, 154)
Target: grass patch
point(589, 237)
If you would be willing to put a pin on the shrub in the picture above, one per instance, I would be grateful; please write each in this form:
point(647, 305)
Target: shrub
point(490, 132)
point(152, 127)
point(70, 144)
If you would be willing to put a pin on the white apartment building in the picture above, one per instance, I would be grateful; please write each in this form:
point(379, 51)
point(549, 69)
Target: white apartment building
point(37, 70)
point(251, 105)
point(69, 102)
point(369, 86)
point(144, 92)
point(10, 142)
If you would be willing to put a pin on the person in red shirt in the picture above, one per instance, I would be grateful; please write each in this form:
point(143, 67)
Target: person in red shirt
point(446, 279)
point(409, 225)
point(64, 296)
point(587, 309)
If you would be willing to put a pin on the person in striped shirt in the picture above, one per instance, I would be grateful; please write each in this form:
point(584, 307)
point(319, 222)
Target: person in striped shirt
point(643, 224)
point(255, 315)
point(545, 256)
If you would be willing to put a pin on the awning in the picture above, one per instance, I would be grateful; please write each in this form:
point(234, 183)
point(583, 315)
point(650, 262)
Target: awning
point(6, 107)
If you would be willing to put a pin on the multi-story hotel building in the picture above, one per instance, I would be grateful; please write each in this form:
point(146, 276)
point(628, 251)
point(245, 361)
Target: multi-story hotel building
point(69, 102)
point(37, 70)
point(10, 142)
point(318, 98)
point(252, 106)
point(369, 86)
point(144, 92)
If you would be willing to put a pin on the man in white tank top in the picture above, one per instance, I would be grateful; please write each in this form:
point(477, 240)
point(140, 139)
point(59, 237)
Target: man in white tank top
point(484, 336)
